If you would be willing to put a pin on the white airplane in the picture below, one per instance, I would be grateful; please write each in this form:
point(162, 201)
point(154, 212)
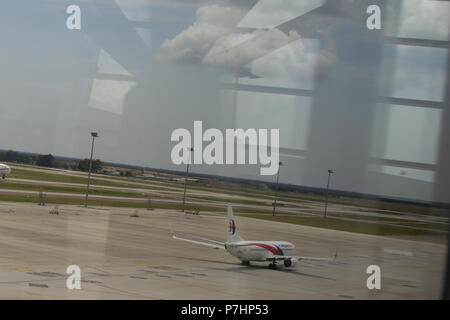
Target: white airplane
point(4, 170)
point(247, 251)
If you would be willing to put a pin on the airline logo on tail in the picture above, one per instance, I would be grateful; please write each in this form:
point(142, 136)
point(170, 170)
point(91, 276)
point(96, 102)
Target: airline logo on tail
point(232, 227)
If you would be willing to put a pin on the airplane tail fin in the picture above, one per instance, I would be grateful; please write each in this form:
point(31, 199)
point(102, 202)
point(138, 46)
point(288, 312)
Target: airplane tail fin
point(232, 234)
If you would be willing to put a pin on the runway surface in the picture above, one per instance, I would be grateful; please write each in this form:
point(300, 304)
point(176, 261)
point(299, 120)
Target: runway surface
point(124, 257)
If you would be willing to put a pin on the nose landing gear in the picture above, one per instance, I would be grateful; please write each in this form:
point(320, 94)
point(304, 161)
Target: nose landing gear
point(273, 265)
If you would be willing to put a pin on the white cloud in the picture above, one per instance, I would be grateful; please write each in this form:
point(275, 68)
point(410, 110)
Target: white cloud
point(192, 45)
point(291, 66)
point(213, 40)
point(262, 43)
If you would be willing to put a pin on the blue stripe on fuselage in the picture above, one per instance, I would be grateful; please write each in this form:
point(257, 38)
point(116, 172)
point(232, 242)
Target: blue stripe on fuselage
point(279, 249)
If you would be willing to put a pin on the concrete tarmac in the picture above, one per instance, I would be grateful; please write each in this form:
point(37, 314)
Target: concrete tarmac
point(124, 257)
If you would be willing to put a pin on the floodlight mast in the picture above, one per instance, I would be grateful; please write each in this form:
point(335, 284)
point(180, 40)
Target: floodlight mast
point(330, 171)
point(185, 180)
point(276, 192)
point(94, 135)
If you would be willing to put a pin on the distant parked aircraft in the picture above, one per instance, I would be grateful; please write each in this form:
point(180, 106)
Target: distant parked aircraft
point(4, 170)
point(247, 251)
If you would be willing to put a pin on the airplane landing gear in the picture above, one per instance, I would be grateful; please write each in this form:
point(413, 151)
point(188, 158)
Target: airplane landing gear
point(246, 263)
point(287, 262)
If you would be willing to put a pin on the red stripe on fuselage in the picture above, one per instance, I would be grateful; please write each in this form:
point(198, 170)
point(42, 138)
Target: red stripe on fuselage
point(275, 251)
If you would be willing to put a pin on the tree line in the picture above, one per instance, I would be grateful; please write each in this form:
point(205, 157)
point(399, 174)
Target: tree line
point(48, 160)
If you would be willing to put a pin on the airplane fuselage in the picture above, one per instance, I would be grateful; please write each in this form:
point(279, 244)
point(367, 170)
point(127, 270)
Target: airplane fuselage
point(259, 250)
point(4, 170)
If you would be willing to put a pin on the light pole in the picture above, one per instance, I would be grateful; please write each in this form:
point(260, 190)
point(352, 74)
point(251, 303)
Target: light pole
point(276, 192)
point(94, 135)
point(185, 180)
point(326, 196)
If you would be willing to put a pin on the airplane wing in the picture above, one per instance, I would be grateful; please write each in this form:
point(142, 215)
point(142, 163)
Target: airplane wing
point(218, 244)
point(214, 241)
point(281, 258)
point(298, 258)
